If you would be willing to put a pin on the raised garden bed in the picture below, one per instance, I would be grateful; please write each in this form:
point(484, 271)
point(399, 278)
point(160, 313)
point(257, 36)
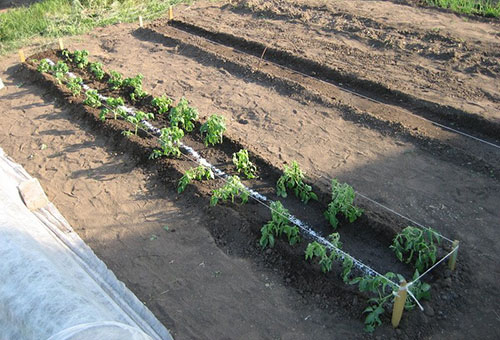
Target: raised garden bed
point(367, 239)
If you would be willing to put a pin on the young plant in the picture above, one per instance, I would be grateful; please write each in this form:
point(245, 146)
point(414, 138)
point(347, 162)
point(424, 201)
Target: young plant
point(342, 202)
point(104, 113)
point(121, 112)
point(347, 265)
point(169, 140)
point(138, 119)
point(183, 115)
point(135, 87)
point(80, 58)
point(127, 133)
point(115, 80)
point(60, 69)
point(74, 85)
point(415, 244)
point(92, 99)
point(383, 289)
point(419, 289)
point(213, 129)
point(279, 224)
point(115, 107)
point(232, 189)
point(293, 178)
point(44, 66)
point(315, 249)
point(67, 55)
point(199, 173)
point(242, 162)
point(162, 103)
point(96, 69)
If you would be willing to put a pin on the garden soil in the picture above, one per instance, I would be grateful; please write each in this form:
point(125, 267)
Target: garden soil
point(186, 262)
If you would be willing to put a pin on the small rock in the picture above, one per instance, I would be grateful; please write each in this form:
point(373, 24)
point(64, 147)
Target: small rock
point(269, 251)
point(428, 310)
point(288, 280)
point(423, 318)
point(355, 301)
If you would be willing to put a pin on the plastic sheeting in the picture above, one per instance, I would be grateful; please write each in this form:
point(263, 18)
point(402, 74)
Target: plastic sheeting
point(51, 284)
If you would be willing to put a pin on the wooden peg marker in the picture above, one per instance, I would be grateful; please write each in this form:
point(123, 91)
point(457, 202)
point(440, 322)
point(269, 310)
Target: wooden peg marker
point(21, 56)
point(453, 258)
point(399, 304)
point(61, 44)
point(170, 13)
point(140, 21)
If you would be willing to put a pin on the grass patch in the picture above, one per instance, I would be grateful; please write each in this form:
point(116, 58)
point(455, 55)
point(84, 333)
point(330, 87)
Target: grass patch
point(487, 8)
point(57, 18)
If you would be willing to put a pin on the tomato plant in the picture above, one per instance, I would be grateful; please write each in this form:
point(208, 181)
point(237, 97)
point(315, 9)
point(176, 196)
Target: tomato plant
point(242, 162)
point(293, 178)
point(415, 244)
point(80, 58)
point(162, 103)
point(74, 85)
point(342, 202)
point(199, 173)
point(96, 69)
point(419, 289)
point(383, 289)
point(115, 80)
point(169, 140)
point(213, 129)
point(315, 249)
point(104, 112)
point(135, 85)
point(44, 66)
point(138, 118)
point(183, 115)
point(232, 189)
point(279, 224)
point(60, 69)
point(92, 99)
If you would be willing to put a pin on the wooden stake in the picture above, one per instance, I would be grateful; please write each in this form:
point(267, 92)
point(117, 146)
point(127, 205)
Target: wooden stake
point(399, 304)
point(453, 258)
point(170, 13)
point(21, 56)
point(61, 44)
point(140, 21)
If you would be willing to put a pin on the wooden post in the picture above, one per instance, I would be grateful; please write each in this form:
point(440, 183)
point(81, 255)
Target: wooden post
point(21, 56)
point(399, 304)
point(453, 258)
point(61, 44)
point(170, 13)
point(140, 21)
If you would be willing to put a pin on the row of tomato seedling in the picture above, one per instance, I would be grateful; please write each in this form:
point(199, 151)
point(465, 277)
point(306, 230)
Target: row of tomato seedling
point(412, 245)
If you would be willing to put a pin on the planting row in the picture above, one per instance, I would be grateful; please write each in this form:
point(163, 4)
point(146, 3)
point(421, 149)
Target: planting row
point(112, 94)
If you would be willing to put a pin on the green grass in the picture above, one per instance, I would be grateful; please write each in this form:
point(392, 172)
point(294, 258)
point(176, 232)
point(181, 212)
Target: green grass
point(488, 8)
point(56, 18)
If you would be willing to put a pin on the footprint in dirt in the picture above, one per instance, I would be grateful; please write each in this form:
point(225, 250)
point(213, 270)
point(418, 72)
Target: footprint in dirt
point(109, 45)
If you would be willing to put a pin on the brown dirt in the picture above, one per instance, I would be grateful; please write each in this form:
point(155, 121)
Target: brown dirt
point(207, 278)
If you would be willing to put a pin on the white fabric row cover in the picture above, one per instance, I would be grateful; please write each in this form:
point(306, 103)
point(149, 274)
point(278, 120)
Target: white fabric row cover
point(52, 286)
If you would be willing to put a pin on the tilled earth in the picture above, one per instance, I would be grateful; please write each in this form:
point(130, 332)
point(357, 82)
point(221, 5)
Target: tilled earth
point(199, 277)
